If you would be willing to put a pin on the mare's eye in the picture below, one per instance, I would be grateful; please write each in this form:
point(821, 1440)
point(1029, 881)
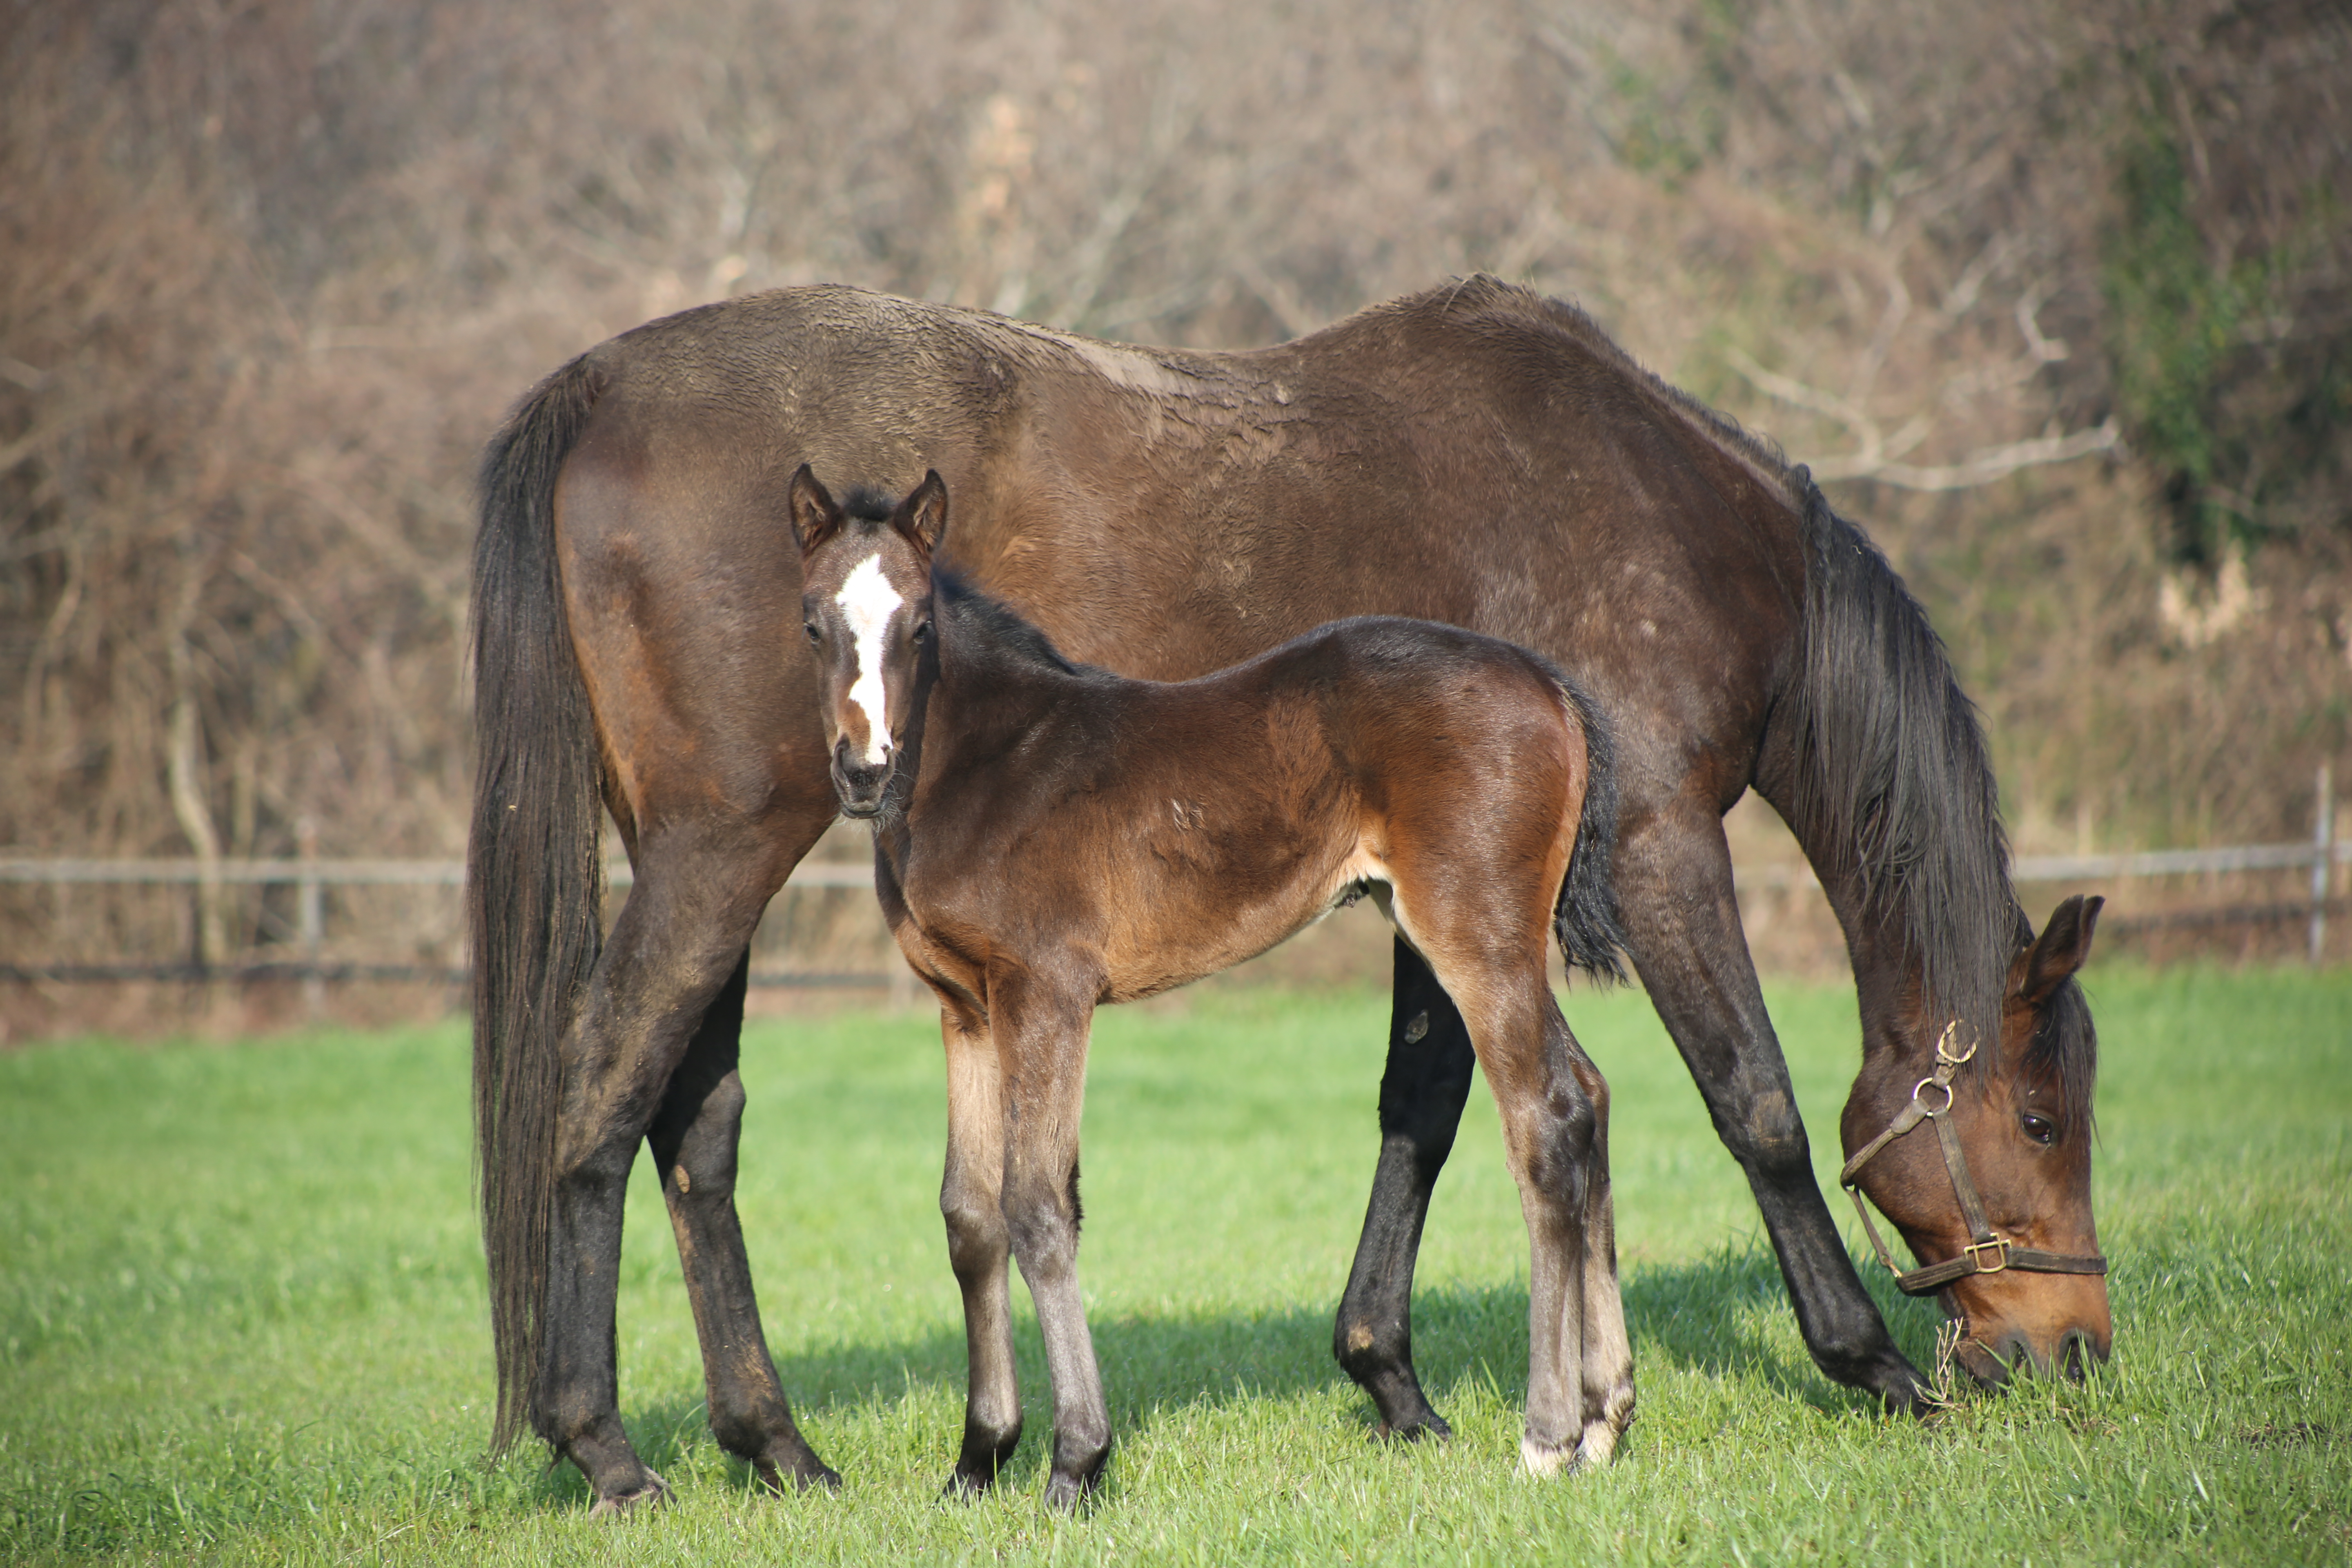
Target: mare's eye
point(2039, 1127)
point(922, 631)
point(813, 635)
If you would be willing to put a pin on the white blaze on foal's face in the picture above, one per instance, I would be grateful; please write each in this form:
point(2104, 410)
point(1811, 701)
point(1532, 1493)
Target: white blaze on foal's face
point(867, 600)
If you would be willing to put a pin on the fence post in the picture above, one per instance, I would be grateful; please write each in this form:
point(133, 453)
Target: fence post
point(2323, 862)
point(311, 897)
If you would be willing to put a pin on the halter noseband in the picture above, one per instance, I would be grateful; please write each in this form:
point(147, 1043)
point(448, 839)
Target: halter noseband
point(1987, 1252)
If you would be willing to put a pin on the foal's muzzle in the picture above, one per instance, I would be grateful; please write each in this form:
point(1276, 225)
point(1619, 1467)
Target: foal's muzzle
point(860, 785)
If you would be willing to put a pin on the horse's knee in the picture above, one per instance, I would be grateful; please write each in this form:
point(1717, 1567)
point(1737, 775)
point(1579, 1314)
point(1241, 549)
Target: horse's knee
point(597, 1160)
point(977, 1239)
point(1042, 1219)
point(1564, 1135)
point(1770, 1135)
point(699, 1166)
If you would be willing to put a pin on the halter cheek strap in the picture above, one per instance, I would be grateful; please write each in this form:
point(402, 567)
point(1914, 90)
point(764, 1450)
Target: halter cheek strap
point(1988, 1252)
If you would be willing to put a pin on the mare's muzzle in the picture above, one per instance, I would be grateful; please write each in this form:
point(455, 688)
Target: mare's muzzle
point(860, 785)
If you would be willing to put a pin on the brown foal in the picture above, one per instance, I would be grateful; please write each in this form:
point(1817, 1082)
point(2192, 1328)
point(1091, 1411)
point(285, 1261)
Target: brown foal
point(1050, 837)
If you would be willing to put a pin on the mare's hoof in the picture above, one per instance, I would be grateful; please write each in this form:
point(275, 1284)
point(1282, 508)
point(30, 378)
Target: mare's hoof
point(647, 1497)
point(1904, 1391)
point(1068, 1494)
point(1429, 1424)
point(963, 1487)
point(802, 1472)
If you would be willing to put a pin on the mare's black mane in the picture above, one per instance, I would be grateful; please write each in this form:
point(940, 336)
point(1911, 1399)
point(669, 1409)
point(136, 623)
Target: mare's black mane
point(1894, 764)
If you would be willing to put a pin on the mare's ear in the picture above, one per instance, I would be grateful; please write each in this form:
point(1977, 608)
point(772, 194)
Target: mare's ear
point(2061, 949)
point(922, 517)
point(814, 517)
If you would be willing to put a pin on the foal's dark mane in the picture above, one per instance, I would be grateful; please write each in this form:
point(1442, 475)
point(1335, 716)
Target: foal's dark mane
point(1000, 626)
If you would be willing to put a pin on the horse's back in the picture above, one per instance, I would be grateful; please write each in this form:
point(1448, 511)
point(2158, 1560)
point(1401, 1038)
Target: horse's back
point(1474, 455)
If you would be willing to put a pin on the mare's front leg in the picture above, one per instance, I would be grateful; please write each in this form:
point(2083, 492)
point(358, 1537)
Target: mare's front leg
point(979, 1244)
point(680, 936)
point(1040, 1047)
point(693, 1140)
point(1682, 922)
point(1422, 1092)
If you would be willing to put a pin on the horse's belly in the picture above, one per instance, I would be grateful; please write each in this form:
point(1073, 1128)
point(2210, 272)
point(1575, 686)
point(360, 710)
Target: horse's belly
point(1186, 927)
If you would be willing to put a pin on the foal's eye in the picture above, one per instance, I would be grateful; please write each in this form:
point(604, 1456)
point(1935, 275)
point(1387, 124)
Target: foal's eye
point(922, 631)
point(813, 635)
point(2039, 1127)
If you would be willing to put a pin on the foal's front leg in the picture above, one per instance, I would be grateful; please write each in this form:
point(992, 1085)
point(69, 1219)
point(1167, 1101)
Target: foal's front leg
point(972, 1201)
point(1041, 1042)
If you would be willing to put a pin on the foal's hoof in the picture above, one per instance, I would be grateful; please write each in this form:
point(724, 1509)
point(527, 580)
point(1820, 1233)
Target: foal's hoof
point(647, 1497)
point(1545, 1460)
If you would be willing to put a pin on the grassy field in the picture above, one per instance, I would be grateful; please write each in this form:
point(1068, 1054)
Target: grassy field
point(241, 1312)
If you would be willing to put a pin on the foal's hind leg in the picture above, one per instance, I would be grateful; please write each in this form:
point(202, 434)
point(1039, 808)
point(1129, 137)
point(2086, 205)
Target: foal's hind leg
point(1607, 1353)
point(693, 1141)
point(1552, 1106)
point(1422, 1092)
point(979, 1246)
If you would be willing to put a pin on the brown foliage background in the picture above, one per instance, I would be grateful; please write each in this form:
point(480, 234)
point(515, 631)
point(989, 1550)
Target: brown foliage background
point(271, 270)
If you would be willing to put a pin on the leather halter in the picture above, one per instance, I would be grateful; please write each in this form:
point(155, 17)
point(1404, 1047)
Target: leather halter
point(1988, 1252)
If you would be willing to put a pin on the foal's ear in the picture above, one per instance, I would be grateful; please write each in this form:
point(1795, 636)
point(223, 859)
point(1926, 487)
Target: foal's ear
point(2061, 948)
point(814, 517)
point(922, 517)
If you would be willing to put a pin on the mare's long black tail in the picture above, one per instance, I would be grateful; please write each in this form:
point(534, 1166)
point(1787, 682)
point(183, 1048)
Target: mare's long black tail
point(534, 878)
point(1585, 920)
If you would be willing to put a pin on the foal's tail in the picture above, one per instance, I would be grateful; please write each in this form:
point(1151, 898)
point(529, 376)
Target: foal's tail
point(534, 875)
point(1586, 917)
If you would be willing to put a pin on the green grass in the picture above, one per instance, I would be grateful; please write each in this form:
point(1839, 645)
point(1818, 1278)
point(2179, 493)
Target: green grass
point(241, 1312)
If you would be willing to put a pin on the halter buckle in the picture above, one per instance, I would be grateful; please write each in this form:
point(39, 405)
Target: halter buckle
point(1973, 1251)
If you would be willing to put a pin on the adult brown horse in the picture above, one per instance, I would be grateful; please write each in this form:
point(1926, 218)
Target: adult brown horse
point(1476, 455)
point(1050, 837)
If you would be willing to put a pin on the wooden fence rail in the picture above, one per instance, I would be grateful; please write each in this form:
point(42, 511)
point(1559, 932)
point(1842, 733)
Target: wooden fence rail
point(311, 878)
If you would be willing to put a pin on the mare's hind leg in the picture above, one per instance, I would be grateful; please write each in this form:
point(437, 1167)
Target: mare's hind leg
point(679, 937)
point(693, 1141)
point(979, 1246)
point(1422, 1092)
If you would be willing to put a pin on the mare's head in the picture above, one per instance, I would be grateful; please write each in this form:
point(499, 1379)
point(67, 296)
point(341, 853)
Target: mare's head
point(2020, 1108)
point(866, 609)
